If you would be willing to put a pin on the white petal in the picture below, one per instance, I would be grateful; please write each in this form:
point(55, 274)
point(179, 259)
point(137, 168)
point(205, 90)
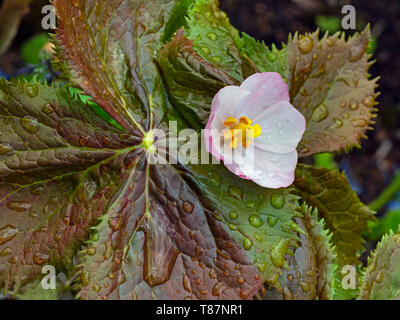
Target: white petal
point(273, 170)
point(225, 104)
point(266, 89)
point(282, 127)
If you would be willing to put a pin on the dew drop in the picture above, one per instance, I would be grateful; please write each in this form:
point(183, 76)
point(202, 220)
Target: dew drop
point(262, 267)
point(277, 201)
point(32, 90)
point(240, 280)
point(255, 221)
point(5, 252)
point(353, 105)
point(272, 220)
point(216, 59)
point(29, 125)
point(85, 278)
point(7, 233)
point(205, 50)
point(186, 283)
point(48, 108)
point(305, 285)
point(305, 44)
point(271, 56)
point(40, 258)
point(212, 36)
point(235, 192)
point(290, 277)
point(91, 251)
point(247, 244)
point(216, 291)
point(19, 206)
point(278, 253)
point(359, 123)
point(233, 215)
point(37, 190)
point(188, 207)
point(251, 204)
point(215, 178)
point(320, 113)
point(369, 102)
point(6, 149)
point(338, 123)
point(96, 288)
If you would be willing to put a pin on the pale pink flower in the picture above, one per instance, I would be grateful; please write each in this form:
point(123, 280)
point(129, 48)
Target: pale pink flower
point(256, 116)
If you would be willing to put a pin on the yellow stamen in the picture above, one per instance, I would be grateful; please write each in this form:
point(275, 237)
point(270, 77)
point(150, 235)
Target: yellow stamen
point(247, 143)
point(234, 143)
point(243, 129)
point(256, 129)
point(245, 120)
point(228, 135)
point(230, 121)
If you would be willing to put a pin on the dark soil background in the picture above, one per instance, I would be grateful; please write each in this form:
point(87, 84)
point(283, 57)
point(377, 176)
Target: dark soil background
point(371, 168)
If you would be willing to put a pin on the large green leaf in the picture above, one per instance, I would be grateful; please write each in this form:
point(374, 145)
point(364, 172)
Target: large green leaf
point(215, 39)
point(266, 59)
point(381, 280)
point(191, 81)
point(311, 266)
point(329, 84)
point(344, 215)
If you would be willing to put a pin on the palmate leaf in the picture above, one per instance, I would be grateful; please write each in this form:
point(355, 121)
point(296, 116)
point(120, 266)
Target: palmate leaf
point(381, 280)
point(344, 215)
point(329, 84)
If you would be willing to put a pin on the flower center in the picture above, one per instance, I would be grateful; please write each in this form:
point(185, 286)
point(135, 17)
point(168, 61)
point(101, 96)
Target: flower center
point(242, 132)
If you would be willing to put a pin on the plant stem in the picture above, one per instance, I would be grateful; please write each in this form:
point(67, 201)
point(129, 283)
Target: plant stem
point(388, 194)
